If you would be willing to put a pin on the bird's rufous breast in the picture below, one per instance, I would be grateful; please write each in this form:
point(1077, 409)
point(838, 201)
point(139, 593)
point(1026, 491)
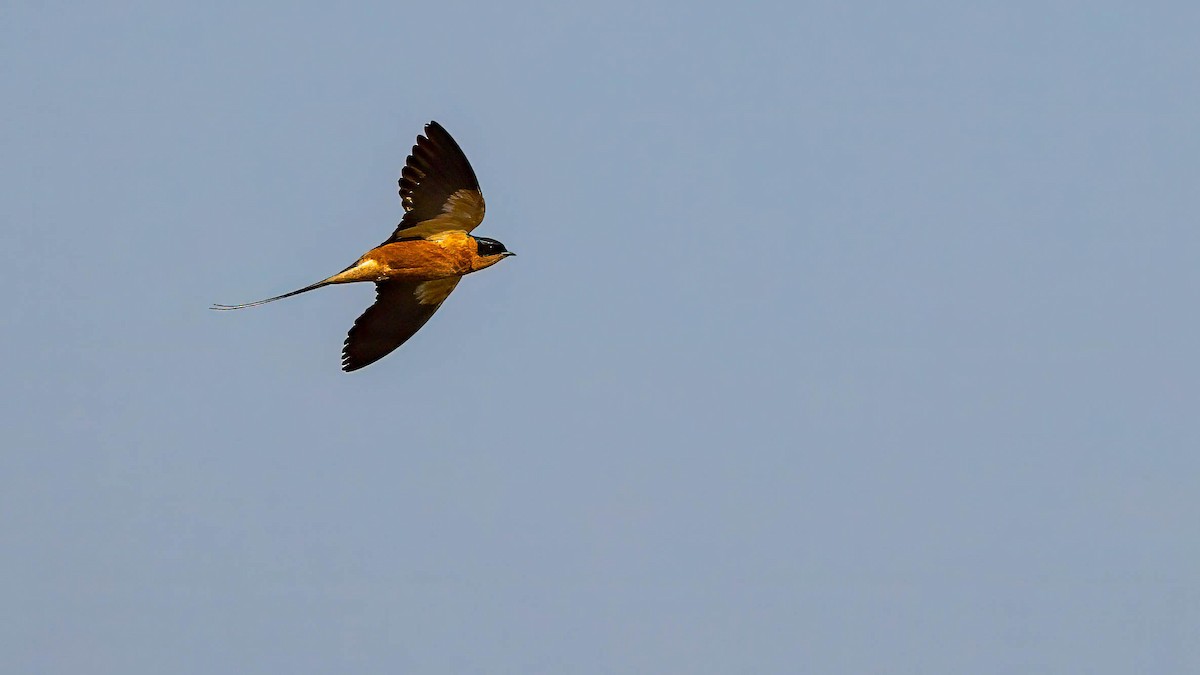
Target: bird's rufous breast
point(423, 259)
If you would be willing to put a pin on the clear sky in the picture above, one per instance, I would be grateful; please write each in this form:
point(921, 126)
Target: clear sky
point(844, 337)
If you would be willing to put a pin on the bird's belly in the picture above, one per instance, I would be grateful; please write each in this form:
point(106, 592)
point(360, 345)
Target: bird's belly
point(418, 261)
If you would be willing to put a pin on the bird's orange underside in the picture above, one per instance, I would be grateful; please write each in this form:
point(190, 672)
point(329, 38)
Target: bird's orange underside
point(413, 260)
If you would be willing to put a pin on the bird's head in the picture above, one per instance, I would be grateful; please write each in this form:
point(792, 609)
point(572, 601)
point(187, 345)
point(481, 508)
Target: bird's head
point(488, 252)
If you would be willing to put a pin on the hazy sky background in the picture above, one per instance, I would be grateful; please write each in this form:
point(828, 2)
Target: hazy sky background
point(843, 338)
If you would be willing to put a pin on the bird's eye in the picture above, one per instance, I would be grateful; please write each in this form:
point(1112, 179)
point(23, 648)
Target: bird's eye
point(489, 246)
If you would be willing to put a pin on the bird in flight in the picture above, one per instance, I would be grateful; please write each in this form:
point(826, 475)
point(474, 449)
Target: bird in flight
point(421, 263)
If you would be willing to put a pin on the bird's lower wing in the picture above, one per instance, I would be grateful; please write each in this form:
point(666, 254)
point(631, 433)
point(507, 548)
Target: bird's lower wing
point(400, 309)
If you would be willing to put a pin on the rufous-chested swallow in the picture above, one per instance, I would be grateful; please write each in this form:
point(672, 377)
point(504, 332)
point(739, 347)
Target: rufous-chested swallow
point(421, 263)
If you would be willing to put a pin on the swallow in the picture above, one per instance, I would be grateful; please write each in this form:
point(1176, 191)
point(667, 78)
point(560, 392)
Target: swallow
point(417, 267)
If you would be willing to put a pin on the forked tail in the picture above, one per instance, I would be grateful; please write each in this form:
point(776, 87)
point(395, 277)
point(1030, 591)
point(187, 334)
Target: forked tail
point(306, 289)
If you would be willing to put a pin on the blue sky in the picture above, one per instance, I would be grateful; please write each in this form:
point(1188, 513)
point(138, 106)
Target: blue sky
point(843, 338)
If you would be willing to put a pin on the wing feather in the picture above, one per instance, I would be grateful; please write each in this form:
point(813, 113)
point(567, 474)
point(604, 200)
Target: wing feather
point(400, 309)
point(438, 188)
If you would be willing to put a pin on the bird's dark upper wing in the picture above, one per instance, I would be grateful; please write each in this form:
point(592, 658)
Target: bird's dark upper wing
point(438, 188)
point(400, 309)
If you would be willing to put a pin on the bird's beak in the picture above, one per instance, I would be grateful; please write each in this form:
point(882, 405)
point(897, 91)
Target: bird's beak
point(507, 253)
